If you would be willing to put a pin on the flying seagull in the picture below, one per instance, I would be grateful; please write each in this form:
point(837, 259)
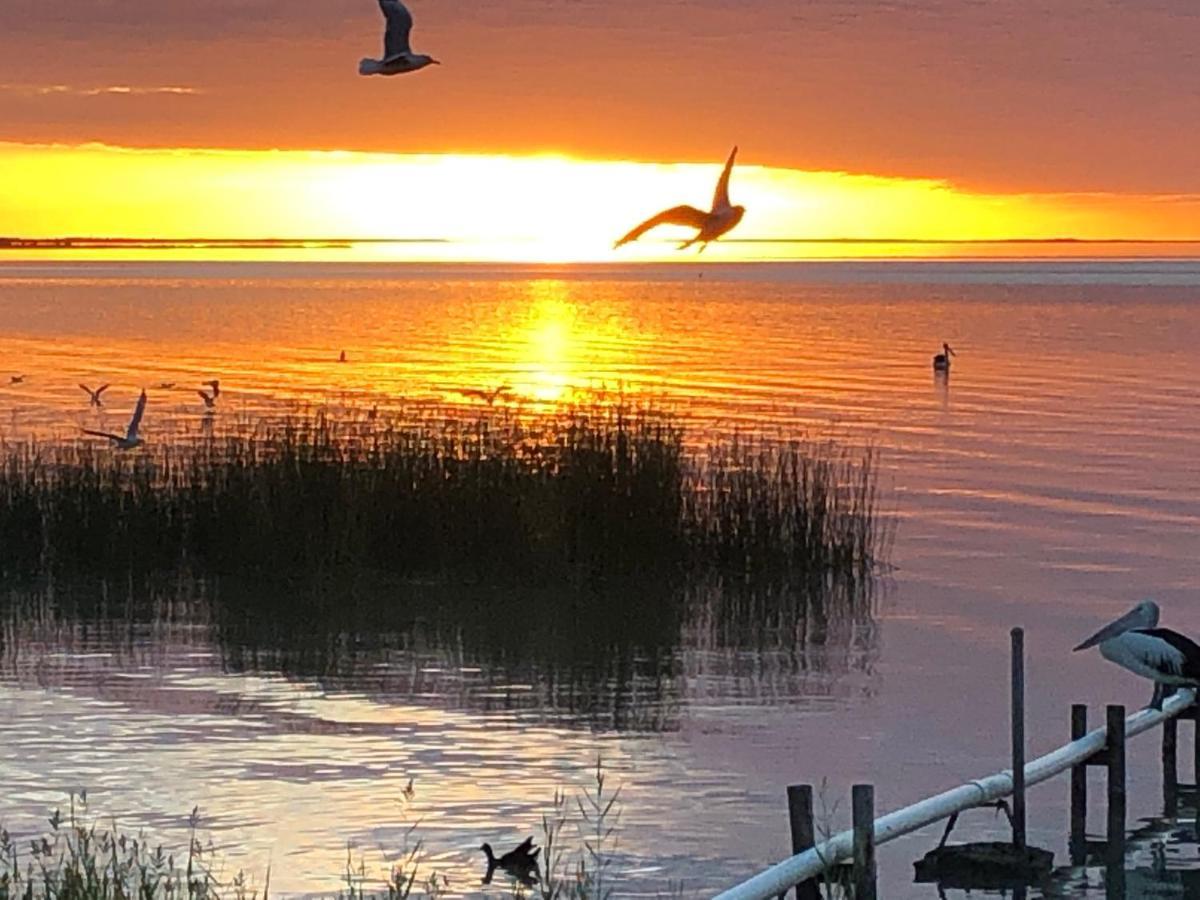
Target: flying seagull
point(398, 57)
point(488, 397)
point(1135, 642)
point(709, 226)
point(130, 438)
point(94, 396)
point(210, 400)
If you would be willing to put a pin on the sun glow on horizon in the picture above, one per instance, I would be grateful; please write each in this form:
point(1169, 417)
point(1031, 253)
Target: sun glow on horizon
point(546, 208)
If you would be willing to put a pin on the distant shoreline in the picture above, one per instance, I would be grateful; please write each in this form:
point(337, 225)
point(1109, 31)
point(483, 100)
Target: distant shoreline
point(343, 243)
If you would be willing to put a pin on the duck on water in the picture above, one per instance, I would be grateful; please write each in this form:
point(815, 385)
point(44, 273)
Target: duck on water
point(521, 862)
point(1135, 642)
point(941, 362)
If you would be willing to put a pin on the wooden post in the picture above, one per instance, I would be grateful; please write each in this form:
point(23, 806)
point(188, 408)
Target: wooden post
point(1018, 737)
point(863, 820)
point(1170, 768)
point(1078, 842)
point(1114, 877)
point(800, 815)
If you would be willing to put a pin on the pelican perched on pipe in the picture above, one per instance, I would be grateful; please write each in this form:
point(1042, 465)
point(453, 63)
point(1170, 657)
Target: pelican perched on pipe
point(941, 362)
point(1135, 642)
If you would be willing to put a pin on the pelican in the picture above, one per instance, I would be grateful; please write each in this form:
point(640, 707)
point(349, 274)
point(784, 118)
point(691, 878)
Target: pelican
point(709, 225)
point(398, 57)
point(130, 439)
point(941, 362)
point(94, 396)
point(1135, 642)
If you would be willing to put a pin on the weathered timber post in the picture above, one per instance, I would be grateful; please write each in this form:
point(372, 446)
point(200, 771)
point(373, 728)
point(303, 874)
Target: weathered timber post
point(1078, 842)
point(1114, 870)
point(800, 815)
point(1018, 737)
point(1170, 779)
point(863, 819)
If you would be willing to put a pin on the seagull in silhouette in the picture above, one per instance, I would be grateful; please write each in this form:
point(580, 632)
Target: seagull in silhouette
point(16, 379)
point(94, 396)
point(709, 226)
point(166, 385)
point(521, 863)
point(488, 397)
point(130, 439)
point(398, 57)
point(210, 400)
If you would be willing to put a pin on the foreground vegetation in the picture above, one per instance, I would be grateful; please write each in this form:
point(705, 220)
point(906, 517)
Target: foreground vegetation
point(589, 494)
point(75, 860)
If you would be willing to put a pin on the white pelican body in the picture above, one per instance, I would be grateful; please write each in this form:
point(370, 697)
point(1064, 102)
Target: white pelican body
point(722, 218)
point(130, 439)
point(398, 57)
point(941, 362)
point(1134, 642)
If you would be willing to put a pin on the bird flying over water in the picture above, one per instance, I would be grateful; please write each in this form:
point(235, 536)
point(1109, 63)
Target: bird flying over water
point(398, 57)
point(709, 226)
point(1135, 642)
point(488, 397)
point(94, 396)
point(210, 400)
point(130, 439)
point(16, 379)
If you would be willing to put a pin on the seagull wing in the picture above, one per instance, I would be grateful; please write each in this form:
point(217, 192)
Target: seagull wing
point(721, 197)
point(132, 430)
point(103, 434)
point(100, 390)
point(676, 215)
point(90, 392)
point(399, 26)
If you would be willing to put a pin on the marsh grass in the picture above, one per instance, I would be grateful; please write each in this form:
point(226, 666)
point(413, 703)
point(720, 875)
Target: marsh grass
point(591, 494)
point(80, 861)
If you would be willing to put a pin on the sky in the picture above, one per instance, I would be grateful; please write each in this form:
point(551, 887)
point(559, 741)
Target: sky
point(1043, 107)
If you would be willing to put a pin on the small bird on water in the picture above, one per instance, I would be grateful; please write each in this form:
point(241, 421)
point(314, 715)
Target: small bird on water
point(94, 396)
point(941, 362)
point(398, 57)
point(16, 379)
point(721, 219)
point(130, 439)
point(520, 862)
point(1135, 642)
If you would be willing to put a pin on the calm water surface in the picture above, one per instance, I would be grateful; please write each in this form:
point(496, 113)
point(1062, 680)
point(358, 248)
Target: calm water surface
point(1050, 482)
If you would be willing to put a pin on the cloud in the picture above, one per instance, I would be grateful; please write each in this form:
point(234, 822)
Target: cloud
point(121, 90)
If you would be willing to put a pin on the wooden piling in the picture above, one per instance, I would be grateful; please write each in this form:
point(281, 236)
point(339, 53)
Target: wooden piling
point(1114, 878)
point(863, 820)
point(800, 815)
point(1170, 781)
point(1078, 842)
point(1018, 737)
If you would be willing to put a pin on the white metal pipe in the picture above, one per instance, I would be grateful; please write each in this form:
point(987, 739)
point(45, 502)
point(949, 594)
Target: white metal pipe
point(780, 877)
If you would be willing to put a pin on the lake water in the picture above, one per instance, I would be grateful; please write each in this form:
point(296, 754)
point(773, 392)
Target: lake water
point(1051, 481)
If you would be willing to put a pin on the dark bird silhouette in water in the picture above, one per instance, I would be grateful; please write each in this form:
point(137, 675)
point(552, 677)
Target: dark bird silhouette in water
point(16, 379)
point(94, 396)
point(521, 863)
point(941, 362)
point(722, 218)
point(488, 397)
point(342, 358)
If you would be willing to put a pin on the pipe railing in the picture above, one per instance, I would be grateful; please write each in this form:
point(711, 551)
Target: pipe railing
point(785, 875)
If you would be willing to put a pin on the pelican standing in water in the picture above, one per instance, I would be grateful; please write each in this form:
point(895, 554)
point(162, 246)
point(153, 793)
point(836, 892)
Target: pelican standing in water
point(721, 219)
point(398, 57)
point(130, 439)
point(941, 362)
point(1135, 642)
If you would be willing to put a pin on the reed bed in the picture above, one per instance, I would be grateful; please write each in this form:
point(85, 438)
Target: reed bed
point(589, 494)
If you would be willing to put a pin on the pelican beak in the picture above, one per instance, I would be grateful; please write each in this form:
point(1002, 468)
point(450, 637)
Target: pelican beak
point(1130, 620)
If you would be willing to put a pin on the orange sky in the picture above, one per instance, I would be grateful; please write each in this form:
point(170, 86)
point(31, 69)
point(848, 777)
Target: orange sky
point(1081, 112)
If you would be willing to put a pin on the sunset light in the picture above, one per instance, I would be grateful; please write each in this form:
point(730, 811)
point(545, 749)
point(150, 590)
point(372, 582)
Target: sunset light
point(537, 208)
